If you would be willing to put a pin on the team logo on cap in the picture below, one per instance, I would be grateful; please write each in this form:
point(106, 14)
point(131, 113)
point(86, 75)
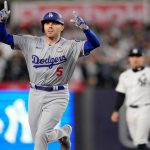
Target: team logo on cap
point(50, 15)
point(135, 51)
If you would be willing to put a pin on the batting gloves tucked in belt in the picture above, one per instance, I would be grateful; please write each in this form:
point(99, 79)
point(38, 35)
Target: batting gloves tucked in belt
point(79, 22)
point(4, 13)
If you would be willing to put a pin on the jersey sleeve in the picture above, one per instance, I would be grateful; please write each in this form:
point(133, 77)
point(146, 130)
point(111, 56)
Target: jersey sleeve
point(82, 51)
point(22, 42)
point(77, 49)
point(121, 85)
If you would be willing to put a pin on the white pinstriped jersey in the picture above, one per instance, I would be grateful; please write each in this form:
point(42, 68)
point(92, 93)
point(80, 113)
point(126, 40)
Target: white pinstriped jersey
point(136, 86)
point(49, 65)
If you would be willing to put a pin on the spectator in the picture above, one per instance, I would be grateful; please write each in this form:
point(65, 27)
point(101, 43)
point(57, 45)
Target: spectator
point(2, 65)
point(16, 69)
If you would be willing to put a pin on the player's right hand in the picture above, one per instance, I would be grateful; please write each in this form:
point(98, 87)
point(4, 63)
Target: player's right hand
point(4, 13)
point(115, 116)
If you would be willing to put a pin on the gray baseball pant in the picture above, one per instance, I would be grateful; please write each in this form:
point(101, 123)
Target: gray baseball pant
point(45, 111)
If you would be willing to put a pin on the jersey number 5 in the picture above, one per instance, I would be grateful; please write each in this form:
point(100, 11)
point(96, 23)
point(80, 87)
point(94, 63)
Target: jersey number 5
point(59, 71)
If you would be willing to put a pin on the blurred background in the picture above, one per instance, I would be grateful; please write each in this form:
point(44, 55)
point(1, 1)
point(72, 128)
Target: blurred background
point(120, 25)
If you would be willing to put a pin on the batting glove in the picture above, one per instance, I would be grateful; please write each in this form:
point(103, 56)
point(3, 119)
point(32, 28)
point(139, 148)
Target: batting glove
point(79, 21)
point(4, 13)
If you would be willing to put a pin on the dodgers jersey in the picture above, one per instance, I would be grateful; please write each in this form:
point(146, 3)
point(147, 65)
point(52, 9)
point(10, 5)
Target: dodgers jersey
point(136, 86)
point(49, 65)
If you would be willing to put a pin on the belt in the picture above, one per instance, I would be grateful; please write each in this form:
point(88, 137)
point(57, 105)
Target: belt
point(47, 88)
point(137, 106)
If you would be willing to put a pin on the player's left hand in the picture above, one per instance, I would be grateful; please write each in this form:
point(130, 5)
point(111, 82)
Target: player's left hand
point(79, 21)
point(4, 13)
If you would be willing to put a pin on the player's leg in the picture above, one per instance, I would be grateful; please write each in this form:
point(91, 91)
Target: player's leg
point(51, 115)
point(142, 132)
point(35, 109)
point(131, 117)
point(65, 140)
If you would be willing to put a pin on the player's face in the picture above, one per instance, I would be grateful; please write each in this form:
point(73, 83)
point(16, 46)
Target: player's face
point(53, 29)
point(136, 61)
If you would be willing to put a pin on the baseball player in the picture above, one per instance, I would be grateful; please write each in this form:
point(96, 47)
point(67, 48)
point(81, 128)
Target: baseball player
point(51, 60)
point(134, 88)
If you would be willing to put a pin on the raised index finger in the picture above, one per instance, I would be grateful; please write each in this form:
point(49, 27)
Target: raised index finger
point(5, 6)
point(75, 13)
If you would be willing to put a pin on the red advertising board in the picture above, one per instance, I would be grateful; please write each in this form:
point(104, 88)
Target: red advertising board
point(14, 85)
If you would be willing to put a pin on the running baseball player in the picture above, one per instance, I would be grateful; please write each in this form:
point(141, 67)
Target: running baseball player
point(134, 88)
point(51, 60)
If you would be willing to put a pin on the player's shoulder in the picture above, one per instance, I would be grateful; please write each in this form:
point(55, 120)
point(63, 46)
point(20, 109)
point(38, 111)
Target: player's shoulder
point(147, 68)
point(26, 36)
point(62, 39)
point(69, 42)
point(73, 40)
point(125, 73)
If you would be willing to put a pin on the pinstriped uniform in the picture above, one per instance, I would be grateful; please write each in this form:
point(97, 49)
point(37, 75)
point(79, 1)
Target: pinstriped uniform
point(136, 87)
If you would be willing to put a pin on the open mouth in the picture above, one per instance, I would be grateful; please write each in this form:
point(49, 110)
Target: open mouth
point(50, 31)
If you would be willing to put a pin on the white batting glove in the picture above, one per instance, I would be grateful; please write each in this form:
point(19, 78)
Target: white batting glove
point(79, 21)
point(4, 13)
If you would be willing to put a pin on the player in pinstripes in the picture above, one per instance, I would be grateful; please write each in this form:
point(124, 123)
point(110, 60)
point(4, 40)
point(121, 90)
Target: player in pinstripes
point(51, 60)
point(134, 88)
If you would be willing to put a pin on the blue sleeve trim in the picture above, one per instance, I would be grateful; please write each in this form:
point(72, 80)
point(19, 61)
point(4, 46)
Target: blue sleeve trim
point(4, 36)
point(92, 41)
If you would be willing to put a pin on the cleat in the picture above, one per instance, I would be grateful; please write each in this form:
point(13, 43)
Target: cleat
point(65, 143)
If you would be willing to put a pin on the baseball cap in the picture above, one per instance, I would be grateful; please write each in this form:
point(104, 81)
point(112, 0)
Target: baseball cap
point(135, 52)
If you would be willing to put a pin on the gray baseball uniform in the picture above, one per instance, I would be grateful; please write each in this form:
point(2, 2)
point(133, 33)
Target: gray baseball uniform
point(136, 87)
point(48, 66)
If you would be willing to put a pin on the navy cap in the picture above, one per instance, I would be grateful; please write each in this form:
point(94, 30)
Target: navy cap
point(53, 16)
point(135, 52)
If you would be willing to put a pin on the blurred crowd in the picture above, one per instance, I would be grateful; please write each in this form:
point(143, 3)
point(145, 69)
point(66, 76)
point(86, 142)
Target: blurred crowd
point(100, 69)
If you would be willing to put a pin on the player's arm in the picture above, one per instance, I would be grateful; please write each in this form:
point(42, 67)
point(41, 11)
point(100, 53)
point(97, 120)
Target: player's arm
point(119, 102)
point(4, 36)
point(92, 41)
